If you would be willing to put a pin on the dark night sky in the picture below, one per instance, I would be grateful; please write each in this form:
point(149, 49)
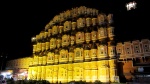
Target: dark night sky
point(20, 20)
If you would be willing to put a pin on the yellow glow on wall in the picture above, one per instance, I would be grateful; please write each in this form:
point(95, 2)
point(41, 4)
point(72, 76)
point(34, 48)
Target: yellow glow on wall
point(104, 71)
point(55, 73)
point(19, 63)
point(49, 73)
point(87, 76)
point(94, 71)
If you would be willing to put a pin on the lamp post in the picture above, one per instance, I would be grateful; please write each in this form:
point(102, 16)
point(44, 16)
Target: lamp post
point(2, 57)
point(2, 62)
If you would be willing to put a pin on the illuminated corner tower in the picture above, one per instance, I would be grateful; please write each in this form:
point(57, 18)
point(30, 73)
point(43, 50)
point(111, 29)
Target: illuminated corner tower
point(107, 70)
point(34, 60)
point(111, 49)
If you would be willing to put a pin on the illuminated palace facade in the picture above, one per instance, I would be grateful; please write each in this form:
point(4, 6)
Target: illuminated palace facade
point(79, 45)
